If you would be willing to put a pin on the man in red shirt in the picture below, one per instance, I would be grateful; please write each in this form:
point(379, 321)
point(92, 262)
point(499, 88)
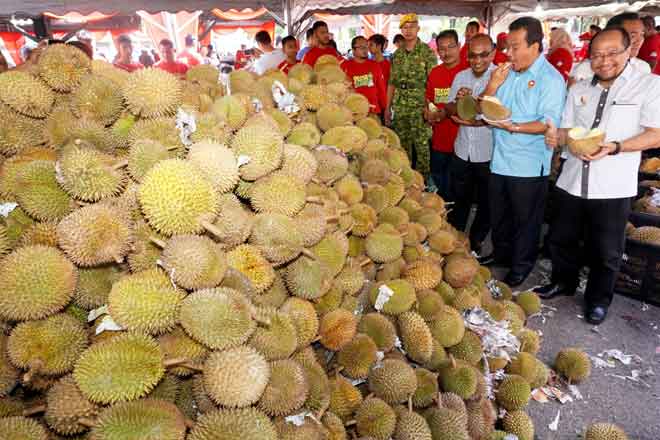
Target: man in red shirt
point(365, 76)
point(168, 63)
point(241, 58)
point(471, 30)
point(290, 49)
point(124, 58)
point(189, 56)
point(651, 47)
point(377, 44)
point(437, 92)
point(323, 45)
point(500, 52)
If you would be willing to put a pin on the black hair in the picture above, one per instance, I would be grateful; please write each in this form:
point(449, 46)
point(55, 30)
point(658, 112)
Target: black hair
point(309, 34)
point(649, 21)
point(318, 25)
point(534, 30)
point(473, 23)
point(625, 38)
point(355, 40)
point(263, 37)
point(448, 33)
point(397, 38)
point(86, 48)
point(124, 39)
point(595, 27)
point(287, 39)
point(379, 40)
point(618, 20)
point(190, 40)
point(166, 42)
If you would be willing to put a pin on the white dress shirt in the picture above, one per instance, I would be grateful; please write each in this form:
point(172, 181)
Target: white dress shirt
point(473, 144)
point(268, 61)
point(631, 104)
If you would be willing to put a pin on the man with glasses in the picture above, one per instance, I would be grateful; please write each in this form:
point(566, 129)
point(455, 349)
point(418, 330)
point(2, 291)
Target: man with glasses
point(595, 191)
point(470, 166)
point(411, 65)
point(534, 91)
point(445, 130)
point(365, 76)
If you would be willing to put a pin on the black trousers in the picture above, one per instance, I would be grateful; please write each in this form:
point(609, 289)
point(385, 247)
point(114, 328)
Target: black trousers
point(468, 184)
point(516, 216)
point(601, 224)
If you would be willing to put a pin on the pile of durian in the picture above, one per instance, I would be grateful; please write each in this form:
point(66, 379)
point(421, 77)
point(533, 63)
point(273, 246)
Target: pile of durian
point(267, 276)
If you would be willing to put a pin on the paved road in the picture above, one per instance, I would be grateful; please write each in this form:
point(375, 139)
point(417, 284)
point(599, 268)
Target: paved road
point(628, 328)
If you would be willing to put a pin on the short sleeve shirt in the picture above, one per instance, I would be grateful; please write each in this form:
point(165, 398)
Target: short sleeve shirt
point(537, 94)
point(412, 68)
point(650, 49)
point(631, 104)
point(438, 89)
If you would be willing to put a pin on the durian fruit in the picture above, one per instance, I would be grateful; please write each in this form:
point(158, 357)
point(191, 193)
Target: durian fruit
point(42, 233)
point(347, 138)
point(217, 163)
point(125, 367)
point(313, 96)
point(573, 364)
point(232, 110)
point(298, 161)
point(423, 274)
point(19, 132)
point(411, 426)
point(66, 406)
point(395, 382)
point(278, 193)
point(460, 270)
point(337, 328)
point(176, 199)
point(276, 337)
point(8, 377)
point(283, 122)
point(49, 346)
point(26, 94)
point(345, 398)
point(176, 344)
point(152, 93)
point(147, 419)
point(219, 318)
point(349, 189)
point(530, 302)
point(15, 428)
point(365, 218)
point(95, 234)
point(91, 133)
point(210, 127)
point(604, 431)
point(519, 424)
point(350, 280)
point(262, 145)
point(144, 253)
point(529, 367)
point(375, 418)
point(287, 389)
point(230, 424)
point(194, 262)
point(358, 104)
point(481, 418)
point(530, 341)
point(237, 377)
point(469, 349)
point(162, 130)
point(98, 99)
point(234, 222)
point(513, 393)
point(38, 193)
point(446, 424)
point(399, 296)
point(427, 388)
point(443, 242)
point(307, 278)
point(63, 66)
point(358, 356)
point(304, 134)
point(383, 245)
point(332, 251)
point(429, 302)
point(304, 318)
point(459, 379)
point(249, 261)
point(371, 127)
point(376, 197)
point(35, 281)
point(416, 337)
point(380, 329)
point(145, 302)
point(331, 115)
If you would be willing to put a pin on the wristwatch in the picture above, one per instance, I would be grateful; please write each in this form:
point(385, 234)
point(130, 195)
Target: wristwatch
point(617, 150)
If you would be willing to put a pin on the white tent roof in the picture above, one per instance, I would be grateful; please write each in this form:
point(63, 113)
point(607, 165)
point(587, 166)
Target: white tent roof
point(606, 10)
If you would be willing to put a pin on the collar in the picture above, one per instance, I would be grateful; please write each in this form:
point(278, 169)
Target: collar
point(536, 66)
point(624, 75)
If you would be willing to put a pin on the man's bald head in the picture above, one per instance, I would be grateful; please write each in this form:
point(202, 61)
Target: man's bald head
point(481, 39)
point(481, 52)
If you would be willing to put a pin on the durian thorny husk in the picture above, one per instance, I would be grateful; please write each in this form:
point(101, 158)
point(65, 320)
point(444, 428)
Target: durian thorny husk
point(264, 266)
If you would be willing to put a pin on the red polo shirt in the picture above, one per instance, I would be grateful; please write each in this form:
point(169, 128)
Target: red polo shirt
point(174, 67)
point(385, 67)
point(650, 49)
point(317, 52)
point(562, 60)
point(190, 58)
point(438, 86)
point(500, 57)
point(285, 66)
point(367, 79)
point(131, 67)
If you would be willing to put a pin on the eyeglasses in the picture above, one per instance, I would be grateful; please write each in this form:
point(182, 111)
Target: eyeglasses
point(446, 48)
point(482, 55)
point(609, 55)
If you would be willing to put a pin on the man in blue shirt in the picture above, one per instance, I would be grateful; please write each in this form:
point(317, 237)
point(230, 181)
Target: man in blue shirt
point(311, 42)
point(534, 91)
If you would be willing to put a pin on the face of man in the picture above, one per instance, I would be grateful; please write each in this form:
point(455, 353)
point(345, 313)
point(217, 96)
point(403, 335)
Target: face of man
point(470, 32)
point(322, 36)
point(522, 55)
point(635, 30)
point(167, 52)
point(125, 51)
point(609, 56)
point(480, 55)
point(290, 49)
point(410, 31)
point(448, 51)
point(361, 49)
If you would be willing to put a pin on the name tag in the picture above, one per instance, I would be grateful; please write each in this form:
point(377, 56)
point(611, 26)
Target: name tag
point(441, 96)
point(363, 80)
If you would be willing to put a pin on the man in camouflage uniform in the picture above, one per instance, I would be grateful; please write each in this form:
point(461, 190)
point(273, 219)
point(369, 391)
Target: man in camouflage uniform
point(406, 89)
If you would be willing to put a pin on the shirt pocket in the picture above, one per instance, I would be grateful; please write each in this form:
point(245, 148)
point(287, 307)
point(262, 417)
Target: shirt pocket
point(623, 121)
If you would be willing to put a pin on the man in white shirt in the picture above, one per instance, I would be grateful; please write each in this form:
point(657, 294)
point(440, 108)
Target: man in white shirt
point(470, 166)
point(632, 24)
point(270, 57)
point(594, 192)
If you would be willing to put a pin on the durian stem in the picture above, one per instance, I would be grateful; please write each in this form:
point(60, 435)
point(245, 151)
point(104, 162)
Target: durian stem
point(449, 203)
point(87, 422)
point(158, 242)
point(453, 361)
point(343, 211)
point(172, 148)
point(410, 405)
point(35, 366)
point(120, 165)
point(314, 199)
point(212, 229)
point(332, 218)
point(439, 399)
point(316, 339)
point(309, 254)
point(34, 410)
point(190, 424)
point(349, 230)
point(404, 234)
point(316, 181)
point(365, 262)
point(350, 423)
point(118, 259)
point(174, 362)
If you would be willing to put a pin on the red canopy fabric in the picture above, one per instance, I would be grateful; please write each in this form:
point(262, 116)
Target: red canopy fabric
point(235, 15)
point(376, 24)
point(13, 42)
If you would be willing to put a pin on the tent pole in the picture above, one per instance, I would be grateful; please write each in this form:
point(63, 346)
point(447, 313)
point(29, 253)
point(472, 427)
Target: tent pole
point(210, 24)
point(288, 19)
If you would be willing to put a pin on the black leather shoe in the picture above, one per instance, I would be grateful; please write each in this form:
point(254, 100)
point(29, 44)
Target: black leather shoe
point(553, 289)
point(514, 279)
point(486, 260)
point(596, 315)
